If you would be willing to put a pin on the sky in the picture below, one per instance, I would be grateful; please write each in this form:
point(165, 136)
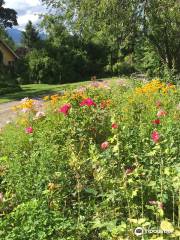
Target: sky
point(27, 10)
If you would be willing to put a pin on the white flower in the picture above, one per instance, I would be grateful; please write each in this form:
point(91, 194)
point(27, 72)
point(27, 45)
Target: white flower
point(39, 115)
point(24, 100)
point(8, 122)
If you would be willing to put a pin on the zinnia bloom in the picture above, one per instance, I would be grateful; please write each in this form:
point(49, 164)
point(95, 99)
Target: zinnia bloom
point(155, 136)
point(156, 121)
point(29, 130)
point(161, 113)
point(65, 109)
point(114, 125)
point(104, 145)
point(87, 102)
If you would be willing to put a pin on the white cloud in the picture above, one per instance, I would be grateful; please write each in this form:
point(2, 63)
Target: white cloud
point(17, 4)
point(27, 10)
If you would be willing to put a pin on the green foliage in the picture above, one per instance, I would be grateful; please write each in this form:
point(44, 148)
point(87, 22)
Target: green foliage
point(30, 36)
point(8, 83)
point(8, 17)
point(42, 68)
point(121, 24)
point(62, 57)
point(123, 68)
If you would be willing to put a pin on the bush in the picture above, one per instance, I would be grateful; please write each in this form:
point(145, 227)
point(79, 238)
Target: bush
point(99, 162)
point(9, 89)
point(123, 68)
point(8, 83)
point(42, 68)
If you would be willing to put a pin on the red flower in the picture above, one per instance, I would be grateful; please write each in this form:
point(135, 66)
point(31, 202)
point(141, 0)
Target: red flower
point(114, 125)
point(65, 109)
point(29, 130)
point(156, 121)
point(87, 102)
point(155, 136)
point(104, 145)
point(161, 113)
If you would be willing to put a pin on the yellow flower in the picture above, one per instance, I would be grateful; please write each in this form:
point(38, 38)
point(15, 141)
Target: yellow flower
point(46, 98)
point(154, 86)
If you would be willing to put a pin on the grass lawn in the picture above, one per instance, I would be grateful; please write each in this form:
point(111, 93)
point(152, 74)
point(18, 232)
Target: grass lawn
point(38, 90)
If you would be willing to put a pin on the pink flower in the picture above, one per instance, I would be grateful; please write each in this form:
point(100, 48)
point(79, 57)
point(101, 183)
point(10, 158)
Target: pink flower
point(29, 130)
point(104, 145)
point(65, 109)
point(114, 125)
point(87, 102)
point(161, 113)
point(156, 121)
point(155, 136)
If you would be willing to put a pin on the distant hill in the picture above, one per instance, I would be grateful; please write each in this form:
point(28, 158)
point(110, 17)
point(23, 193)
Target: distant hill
point(16, 35)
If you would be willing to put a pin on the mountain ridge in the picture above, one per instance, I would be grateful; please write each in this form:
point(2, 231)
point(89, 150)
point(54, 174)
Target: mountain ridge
point(17, 34)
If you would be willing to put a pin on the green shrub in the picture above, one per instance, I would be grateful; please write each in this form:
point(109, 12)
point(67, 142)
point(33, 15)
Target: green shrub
point(123, 68)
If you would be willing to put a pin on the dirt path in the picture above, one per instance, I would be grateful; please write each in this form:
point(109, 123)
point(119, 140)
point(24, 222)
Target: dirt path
point(6, 112)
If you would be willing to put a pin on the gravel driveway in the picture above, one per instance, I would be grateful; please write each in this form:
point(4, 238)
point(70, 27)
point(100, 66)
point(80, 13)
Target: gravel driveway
point(6, 112)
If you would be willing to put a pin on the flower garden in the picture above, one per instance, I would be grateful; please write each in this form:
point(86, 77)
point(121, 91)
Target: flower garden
point(93, 163)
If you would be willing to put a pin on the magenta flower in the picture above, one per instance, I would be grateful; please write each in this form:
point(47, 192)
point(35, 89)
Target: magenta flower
point(161, 113)
point(29, 130)
point(87, 102)
point(155, 136)
point(65, 109)
point(156, 121)
point(104, 145)
point(114, 126)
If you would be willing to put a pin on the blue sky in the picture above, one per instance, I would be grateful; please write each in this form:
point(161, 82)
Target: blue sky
point(27, 10)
